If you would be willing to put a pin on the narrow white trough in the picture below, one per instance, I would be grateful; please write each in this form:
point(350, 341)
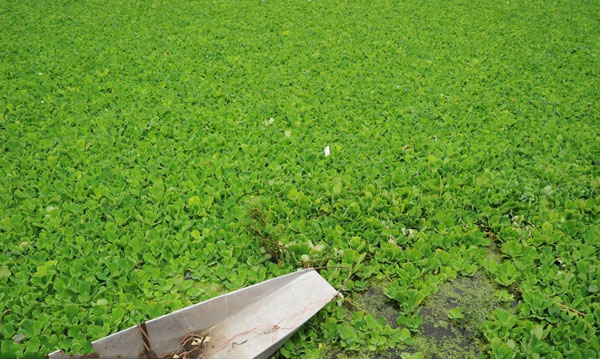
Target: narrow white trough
point(250, 323)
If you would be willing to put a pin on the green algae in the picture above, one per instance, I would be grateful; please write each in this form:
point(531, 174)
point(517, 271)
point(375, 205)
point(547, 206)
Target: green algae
point(364, 353)
point(375, 302)
point(439, 336)
point(446, 338)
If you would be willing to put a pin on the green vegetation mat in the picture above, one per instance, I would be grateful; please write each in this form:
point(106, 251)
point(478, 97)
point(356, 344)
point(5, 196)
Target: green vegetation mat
point(140, 170)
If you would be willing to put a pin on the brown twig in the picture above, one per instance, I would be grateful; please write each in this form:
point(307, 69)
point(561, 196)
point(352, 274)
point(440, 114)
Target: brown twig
point(340, 267)
point(189, 350)
point(147, 353)
point(356, 305)
point(569, 309)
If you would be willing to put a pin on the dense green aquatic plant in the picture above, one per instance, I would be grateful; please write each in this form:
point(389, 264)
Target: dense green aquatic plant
point(156, 154)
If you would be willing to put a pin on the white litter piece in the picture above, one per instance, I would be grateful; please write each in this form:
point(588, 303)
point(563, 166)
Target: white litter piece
point(326, 151)
point(269, 122)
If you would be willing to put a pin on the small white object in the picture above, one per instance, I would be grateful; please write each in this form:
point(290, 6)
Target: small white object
point(326, 151)
point(288, 133)
point(19, 338)
point(39, 73)
point(408, 232)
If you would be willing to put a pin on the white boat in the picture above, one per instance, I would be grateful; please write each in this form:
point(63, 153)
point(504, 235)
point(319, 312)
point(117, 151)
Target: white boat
point(249, 323)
